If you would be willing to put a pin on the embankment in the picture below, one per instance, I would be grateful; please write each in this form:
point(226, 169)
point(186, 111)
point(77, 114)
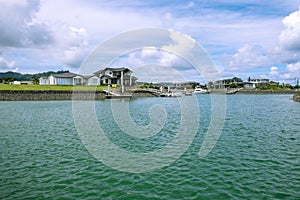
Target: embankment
point(55, 95)
point(49, 95)
point(243, 91)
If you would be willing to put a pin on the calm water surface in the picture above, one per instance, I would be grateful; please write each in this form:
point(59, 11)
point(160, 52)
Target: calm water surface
point(257, 155)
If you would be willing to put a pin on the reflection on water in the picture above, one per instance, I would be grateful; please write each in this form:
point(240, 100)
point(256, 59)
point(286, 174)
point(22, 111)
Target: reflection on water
point(257, 155)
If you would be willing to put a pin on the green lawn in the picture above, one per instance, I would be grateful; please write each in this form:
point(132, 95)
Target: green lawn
point(48, 87)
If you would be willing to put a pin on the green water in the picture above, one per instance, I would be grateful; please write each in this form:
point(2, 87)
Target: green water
point(256, 157)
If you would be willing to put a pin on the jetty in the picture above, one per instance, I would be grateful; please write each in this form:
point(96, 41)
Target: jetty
point(114, 95)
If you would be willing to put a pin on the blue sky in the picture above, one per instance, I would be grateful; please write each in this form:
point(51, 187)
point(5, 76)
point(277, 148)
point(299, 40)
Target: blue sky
point(257, 38)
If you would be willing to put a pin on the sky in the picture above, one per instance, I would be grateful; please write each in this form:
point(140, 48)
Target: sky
point(256, 38)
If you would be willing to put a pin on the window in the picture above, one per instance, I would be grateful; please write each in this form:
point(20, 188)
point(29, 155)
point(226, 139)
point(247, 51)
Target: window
point(95, 81)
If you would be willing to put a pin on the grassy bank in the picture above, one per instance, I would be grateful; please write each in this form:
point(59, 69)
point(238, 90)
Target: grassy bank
point(48, 87)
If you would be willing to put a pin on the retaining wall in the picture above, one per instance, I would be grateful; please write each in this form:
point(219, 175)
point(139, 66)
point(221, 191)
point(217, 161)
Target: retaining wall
point(52, 95)
point(49, 95)
point(266, 91)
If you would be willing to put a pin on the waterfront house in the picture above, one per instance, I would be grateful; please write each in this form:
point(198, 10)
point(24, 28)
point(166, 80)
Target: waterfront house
point(249, 85)
point(226, 83)
point(69, 79)
point(260, 82)
point(65, 79)
point(91, 80)
point(254, 83)
point(118, 76)
point(21, 83)
point(44, 80)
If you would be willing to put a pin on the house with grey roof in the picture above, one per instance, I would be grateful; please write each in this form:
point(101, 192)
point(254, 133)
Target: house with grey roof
point(108, 76)
point(69, 79)
point(118, 76)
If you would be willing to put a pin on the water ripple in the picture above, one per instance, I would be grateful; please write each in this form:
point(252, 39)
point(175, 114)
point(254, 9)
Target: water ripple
point(256, 157)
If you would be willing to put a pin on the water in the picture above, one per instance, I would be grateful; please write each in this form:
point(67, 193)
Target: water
point(256, 157)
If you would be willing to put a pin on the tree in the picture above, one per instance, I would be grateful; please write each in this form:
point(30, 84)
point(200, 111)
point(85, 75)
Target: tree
point(233, 85)
point(35, 80)
point(8, 80)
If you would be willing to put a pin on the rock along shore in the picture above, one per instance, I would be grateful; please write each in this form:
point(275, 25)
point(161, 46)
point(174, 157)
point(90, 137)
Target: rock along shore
point(57, 95)
point(243, 91)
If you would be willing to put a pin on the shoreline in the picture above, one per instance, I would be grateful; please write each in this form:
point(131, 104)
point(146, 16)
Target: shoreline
point(56, 95)
point(266, 91)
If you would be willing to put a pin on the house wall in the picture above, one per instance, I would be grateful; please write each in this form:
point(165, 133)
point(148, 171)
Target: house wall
point(249, 86)
point(64, 81)
point(52, 80)
point(44, 81)
point(78, 80)
point(94, 80)
point(108, 72)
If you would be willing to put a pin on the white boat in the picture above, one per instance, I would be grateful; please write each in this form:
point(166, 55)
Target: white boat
point(199, 90)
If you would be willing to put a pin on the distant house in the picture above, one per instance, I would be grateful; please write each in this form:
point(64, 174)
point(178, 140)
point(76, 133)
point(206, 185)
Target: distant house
point(91, 80)
point(65, 79)
point(226, 83)
point(21, 83)
point(44, 80)
point(254, 83)
point(116, 76)
point(249, 85)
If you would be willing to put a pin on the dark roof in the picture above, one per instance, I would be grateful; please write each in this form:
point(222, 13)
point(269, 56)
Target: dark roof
point(65, 75)
point(113, 69)
point(107, 76)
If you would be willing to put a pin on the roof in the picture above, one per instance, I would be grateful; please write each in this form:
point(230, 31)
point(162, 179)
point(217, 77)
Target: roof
point(65, 75)
point(107, 76)
point(113, 69)
point(89, 76)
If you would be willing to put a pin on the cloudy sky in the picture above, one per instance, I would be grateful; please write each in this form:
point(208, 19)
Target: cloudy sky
point(257, 38)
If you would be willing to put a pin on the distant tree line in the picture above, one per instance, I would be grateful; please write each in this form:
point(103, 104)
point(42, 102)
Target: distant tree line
point(7, 77)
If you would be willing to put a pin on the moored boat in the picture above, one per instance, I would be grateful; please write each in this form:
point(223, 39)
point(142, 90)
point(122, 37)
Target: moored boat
point(199, 90)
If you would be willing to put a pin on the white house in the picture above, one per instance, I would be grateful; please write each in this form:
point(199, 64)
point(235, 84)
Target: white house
point(44, 80)
point(21, 83)
point(64, 79)
point(249, 85)
point(69, 79)
point(91, 80)
point(254, 83)
point(119, 76)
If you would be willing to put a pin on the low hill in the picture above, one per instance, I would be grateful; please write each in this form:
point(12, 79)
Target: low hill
point(15, 76)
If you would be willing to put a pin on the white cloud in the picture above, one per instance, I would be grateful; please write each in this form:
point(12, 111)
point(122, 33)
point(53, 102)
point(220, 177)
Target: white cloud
point(290, 73)
point(182, 43)
point(158, 73)
point(167, 20)
point(274, 72)
point(249, 56)
point(190, 4)
point(74, 43)
point(18, 25)
point(290, 36)
point(7, 65)
point(150, 53)
point(293, 68)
